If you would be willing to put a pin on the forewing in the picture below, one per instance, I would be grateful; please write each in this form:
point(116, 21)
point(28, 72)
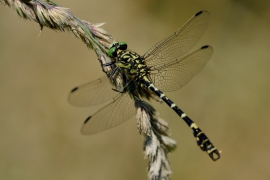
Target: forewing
point(92, 93)
point(180, 42)
point(180, 71)
point(121, 109)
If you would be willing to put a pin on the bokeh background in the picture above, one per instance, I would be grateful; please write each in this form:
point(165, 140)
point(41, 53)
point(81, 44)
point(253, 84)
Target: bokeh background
point(230, 99)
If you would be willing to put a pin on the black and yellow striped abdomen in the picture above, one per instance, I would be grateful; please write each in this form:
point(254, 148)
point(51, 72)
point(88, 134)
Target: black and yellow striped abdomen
point(202, 140)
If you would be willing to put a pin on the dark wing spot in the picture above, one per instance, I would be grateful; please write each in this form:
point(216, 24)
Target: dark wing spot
point(87, 119)
point(74, 89)
point(198, 13)
point(204, 47)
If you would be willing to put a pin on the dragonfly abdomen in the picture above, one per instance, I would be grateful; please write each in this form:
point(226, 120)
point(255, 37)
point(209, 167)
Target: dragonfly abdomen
point(202, 140)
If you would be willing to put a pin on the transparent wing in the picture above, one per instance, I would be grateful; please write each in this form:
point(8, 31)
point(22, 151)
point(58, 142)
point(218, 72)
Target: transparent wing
point(180, 42)
point(92, 93)
point(174, 75)
point(121, 109)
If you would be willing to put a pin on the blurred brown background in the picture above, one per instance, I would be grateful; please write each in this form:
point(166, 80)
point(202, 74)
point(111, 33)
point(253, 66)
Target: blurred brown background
point(230, 99)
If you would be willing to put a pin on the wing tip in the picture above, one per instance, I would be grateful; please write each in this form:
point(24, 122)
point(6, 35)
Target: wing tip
point(198, 13)
point(87, 119)
point(204, 12)
point(205, 47)
point(74, 89)
point(83, 130)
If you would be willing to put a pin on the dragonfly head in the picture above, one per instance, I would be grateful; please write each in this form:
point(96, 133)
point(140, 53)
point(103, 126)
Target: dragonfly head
point(116, 47)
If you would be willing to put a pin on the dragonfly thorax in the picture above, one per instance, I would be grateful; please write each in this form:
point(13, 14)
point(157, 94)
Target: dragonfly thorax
point(131, 63)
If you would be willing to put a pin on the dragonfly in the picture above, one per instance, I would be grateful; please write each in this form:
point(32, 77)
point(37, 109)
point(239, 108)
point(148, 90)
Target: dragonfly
point(167, 66)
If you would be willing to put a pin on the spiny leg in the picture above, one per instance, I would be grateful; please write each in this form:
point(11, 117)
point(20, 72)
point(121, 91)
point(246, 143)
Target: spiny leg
point(202, 140)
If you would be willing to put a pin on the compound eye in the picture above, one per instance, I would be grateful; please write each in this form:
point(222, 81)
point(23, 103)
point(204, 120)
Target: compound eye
point(115, 44)
point(122, 46)
point(112, 52)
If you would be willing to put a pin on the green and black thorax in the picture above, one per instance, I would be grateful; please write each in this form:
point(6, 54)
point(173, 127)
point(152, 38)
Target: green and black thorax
point(133, 68)
point(130, 63)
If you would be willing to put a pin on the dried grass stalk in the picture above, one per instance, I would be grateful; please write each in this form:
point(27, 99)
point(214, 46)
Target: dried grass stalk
point(157, 142)
point(51, 15)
